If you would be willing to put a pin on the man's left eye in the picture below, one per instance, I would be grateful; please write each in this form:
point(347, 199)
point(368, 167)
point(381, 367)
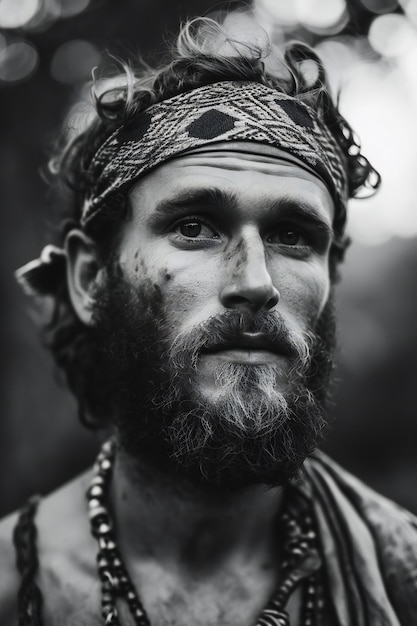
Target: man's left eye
point(195, 229)
point(288, 236)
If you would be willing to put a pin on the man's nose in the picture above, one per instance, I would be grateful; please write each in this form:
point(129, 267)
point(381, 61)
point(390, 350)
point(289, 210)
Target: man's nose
point(249, 284)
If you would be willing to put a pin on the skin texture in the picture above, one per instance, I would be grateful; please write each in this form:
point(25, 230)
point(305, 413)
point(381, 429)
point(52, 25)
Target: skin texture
point(240, 259)
point(196, 557)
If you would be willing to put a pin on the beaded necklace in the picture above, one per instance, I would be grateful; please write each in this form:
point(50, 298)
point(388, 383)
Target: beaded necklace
point(301, 562)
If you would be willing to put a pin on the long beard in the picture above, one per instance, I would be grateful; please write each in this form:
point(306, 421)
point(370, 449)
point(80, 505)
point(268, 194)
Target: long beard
point(249, 431)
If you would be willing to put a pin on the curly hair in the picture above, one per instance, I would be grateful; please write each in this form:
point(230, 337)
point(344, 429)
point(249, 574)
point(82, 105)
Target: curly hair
point(204, 53)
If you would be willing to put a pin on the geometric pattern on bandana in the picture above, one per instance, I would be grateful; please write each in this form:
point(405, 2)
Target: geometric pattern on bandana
point(224, 111)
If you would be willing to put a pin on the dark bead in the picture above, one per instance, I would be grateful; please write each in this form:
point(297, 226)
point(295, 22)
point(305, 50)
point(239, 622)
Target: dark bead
point(124, 583)
point(106, 544)
point(97, 481)
point(104, 528)
point(95, 491)
point(107, 598)
point(97, 515)
point(102, 562)
point(105, 465)
point(282, 619)
point(107, 586)
point(108, 447)
point(297, 552)
point(94, 503)
point(108, 609)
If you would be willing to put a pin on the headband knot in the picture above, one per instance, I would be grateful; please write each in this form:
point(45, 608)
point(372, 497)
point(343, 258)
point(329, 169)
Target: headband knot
point(43, 276)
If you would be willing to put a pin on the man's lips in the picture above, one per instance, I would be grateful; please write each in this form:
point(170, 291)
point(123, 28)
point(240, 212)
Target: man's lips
point(248, 342)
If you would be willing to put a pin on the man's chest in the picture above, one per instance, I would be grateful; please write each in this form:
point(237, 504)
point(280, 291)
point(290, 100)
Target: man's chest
point(228, 600)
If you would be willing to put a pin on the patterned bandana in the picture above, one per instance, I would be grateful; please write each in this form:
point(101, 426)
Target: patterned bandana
point(225, 111)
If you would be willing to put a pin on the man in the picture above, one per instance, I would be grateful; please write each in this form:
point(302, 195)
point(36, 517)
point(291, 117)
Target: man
point(193, 289)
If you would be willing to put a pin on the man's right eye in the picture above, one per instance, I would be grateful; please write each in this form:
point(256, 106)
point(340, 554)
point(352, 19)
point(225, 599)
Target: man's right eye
point(190, 229)
point(195, 229)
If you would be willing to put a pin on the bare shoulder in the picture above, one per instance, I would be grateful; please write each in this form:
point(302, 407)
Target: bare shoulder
point(66, 553)
point(9, 578)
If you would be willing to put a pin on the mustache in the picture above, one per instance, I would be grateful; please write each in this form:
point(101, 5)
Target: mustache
point(231, 326)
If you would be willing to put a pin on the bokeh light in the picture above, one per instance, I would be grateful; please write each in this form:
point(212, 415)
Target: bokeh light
point(17, 13)
point(321, 14)
point(340, 57)
point(391, 35)
point(284, 13)
point(380, 6)
point(38, 15)
point(17, 61)
point(410, 9)
point(316, 15)
point(46, 15)
point(73, 61)
point(378, 105)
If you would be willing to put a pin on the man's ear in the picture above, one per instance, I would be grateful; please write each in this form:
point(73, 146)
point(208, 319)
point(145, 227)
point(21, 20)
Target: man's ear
point(84, 273)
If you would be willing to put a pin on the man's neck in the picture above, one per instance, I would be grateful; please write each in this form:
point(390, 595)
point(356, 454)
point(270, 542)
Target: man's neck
point(166, 518)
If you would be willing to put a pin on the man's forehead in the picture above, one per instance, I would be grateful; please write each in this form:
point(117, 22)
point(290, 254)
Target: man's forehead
point(251, 157)
point(249, 150)
point(248, 156)
point(237, 155)
point(228, 175)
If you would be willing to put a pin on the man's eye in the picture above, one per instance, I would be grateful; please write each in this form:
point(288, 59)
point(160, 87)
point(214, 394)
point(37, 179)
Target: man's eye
point(288, 236)
point(195, 229)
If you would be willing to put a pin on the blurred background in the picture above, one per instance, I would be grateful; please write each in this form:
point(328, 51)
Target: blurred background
point(47, 51)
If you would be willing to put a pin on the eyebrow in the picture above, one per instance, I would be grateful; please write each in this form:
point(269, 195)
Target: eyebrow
point(214, 198)
point(304, 212)
point(210, 197)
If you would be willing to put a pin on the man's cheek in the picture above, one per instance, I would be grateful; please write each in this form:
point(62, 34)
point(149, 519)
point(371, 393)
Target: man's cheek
point(304, 301)
point(190, 296)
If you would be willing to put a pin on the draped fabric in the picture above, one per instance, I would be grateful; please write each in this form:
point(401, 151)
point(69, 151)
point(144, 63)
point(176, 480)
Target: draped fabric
point(369, 548)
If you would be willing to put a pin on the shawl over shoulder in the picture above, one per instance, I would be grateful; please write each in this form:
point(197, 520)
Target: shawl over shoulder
point(369, 546)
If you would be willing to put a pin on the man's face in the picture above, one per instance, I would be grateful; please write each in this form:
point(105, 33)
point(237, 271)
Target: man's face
point(222, 275)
